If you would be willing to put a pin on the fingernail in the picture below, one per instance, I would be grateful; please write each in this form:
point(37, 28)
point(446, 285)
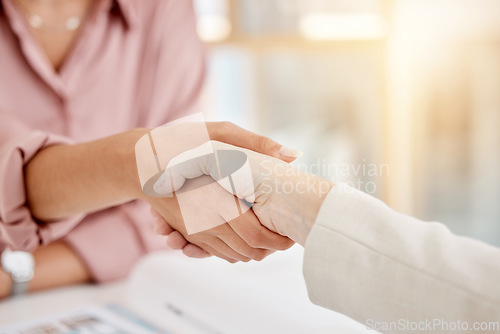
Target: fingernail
point(290, 152)
point(158, 186)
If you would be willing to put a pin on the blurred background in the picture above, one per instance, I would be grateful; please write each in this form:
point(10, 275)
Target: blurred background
point(400, 98)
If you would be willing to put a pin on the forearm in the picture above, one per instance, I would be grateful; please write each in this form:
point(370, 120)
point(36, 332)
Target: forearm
point(361, 253)
point(56, 265)
point(70, 179)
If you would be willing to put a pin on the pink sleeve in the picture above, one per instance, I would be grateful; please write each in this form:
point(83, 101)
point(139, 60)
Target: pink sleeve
point(110, 242)
point(18, 229)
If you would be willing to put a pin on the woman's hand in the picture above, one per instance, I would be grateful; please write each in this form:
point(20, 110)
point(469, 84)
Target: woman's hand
point(241, 239)
point(175, 239)
point(285, 199)
point(229, 133)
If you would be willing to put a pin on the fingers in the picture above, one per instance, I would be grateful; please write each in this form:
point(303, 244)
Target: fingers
point(176, 241)
point(229, 248)
point(240, 246)
point(244, 238)
point(230, 242)
point(217, 247)
point(230, 133)
point(249, 228)
point(162, 227)
point(191, 250)
point(219, 254)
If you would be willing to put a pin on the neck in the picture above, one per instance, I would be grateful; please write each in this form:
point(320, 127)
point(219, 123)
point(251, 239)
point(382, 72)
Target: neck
point(54, 15)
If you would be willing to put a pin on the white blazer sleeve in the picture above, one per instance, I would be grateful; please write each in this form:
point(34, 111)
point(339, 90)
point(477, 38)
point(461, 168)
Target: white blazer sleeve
point(378, 266)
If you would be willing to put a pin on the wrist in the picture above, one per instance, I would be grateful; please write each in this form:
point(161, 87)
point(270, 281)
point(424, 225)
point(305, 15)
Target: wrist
point(127, 161)
point(308, 205)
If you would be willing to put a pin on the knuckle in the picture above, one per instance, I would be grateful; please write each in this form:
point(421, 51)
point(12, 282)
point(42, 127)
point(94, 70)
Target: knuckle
point(261, 143)
point(241, 257)
point(259, 256)
point(256, 240)
point(287, 243)
point(223, 128)
point(227, 124)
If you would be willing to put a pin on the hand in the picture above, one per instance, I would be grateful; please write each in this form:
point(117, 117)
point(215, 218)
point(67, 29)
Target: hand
point(240, 239)
point(285, 199)
point(175, 239)
point(243, 238)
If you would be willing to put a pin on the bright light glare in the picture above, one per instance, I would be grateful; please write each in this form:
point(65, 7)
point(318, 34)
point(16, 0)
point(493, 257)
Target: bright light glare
point(213, 28)
point(342, 26)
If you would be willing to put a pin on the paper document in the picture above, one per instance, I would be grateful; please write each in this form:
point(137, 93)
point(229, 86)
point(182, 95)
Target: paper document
point(92, 320)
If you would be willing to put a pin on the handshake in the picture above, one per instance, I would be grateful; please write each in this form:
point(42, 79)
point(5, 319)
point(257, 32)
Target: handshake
point(217, 189)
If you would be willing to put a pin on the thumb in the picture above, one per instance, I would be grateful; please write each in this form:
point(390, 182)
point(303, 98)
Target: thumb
point(232, 134)
point(187, 165)
point(226, 164)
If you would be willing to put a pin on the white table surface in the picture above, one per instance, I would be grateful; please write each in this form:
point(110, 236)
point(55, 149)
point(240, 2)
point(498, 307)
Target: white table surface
point(46, 303)
point(255, 297)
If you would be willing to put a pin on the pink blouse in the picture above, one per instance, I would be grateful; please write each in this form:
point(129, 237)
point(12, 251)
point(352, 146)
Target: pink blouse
point(134, 64)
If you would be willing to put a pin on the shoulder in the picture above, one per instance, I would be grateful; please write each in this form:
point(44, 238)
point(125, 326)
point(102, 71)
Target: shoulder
point(168, 26)
point(154, 13)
